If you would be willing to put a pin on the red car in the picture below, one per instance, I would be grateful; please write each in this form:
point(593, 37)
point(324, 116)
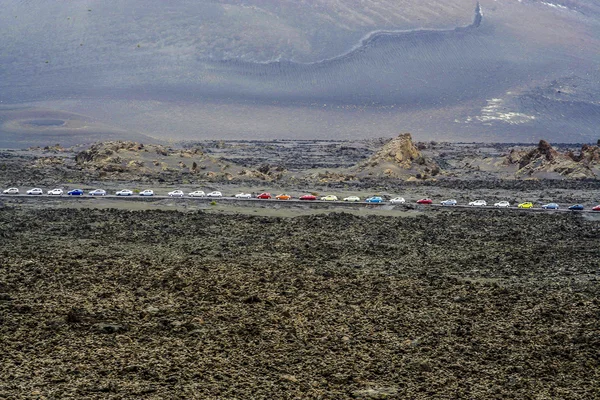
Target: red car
point(308, 197)
point(425, 201)
point(264, 196)
point(597, 208)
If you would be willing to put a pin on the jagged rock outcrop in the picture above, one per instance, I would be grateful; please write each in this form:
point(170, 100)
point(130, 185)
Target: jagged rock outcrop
point(400, 158)
point(589, 155)
point(544, 151)
point(265, 172)
point(131, 160)
point(138, 159)
point(400, 150)
point(107, 152)
point(545, 161)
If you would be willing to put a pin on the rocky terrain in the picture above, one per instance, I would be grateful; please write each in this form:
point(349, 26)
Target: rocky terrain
point(296, 163)
point(200, 305)
point(544, 161)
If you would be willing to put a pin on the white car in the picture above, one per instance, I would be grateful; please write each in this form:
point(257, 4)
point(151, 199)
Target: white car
point(11, 191)
point(97, 192)
point(398, 200)
point(329, 197)
point(214, 194)
point(124, 192)
point(352, 198)
point(55, 192)
point(176, 193)
point(147, 192)
point(243, 196)
point(197, 193)
point(502, 204)
point(478, 203)
point(35, 191)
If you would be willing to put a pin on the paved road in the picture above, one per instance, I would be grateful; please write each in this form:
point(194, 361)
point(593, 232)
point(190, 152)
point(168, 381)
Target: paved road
point(408, 205)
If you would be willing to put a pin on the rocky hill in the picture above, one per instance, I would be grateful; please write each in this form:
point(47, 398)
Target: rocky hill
point(546, 162)
point(399, 158)
point(131, 160)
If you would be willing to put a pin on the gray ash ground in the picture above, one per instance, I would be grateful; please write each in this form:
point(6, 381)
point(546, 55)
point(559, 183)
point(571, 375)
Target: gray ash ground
point(291, 154)
point(165, 304)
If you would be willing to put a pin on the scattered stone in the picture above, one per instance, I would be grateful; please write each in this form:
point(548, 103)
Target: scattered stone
point(375, 393)
point(289, 378)
point(152, 310)
point(109, 328)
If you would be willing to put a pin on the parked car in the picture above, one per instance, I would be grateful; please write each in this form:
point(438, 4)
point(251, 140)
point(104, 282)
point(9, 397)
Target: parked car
point(596, 208)
point(502, 203)
point(197, 193)
point(576, 207)
point(176, 193)
point(97, 192)
point(215, 194)
point(55, 192)
point(527, 204)
point(352, 198)
point(264, 196)
point(329, 197)
point(124, 192)
point(550, 206)
point(374, 199)
point(35, 191)
point(308, 197)
point(478, 203)
point(75, 192)
point(398, 200)
point(449, 202)
point(147, 192)
point(243, 196)
point(283, 197)
point(424, 201)
point(11, 191)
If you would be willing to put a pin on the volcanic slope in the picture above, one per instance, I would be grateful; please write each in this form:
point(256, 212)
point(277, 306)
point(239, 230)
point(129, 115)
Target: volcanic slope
point(516, 71)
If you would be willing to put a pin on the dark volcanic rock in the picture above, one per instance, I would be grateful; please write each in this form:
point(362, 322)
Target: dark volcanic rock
point(109, 328)
point(235, 306)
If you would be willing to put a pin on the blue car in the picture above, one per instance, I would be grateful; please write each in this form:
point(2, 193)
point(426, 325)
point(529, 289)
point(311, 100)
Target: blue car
point(75, 192)
point(576, 207)
point(550, 206)
point(374, 199)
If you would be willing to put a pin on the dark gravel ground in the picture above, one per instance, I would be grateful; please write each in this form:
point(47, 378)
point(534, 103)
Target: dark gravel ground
point(115, 304)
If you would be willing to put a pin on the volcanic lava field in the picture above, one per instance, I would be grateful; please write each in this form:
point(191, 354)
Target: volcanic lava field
point(104, 303)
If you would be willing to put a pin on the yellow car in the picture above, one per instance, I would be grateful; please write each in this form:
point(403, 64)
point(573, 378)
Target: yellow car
point(329, 198)
point(527, 204)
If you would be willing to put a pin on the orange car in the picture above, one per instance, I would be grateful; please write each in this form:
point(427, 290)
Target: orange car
point(283, 197)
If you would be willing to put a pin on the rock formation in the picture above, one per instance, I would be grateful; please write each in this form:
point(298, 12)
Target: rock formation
point(400, 158)
point(545, 161)
point(400, 151)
